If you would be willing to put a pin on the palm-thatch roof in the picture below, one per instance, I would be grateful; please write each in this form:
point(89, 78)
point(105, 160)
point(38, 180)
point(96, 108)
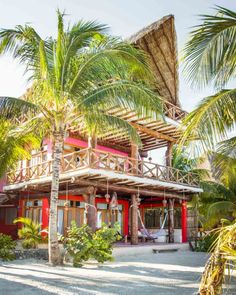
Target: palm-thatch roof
point(158, 40)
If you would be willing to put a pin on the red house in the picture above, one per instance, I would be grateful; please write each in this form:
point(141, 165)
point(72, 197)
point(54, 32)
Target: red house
point(113, 166)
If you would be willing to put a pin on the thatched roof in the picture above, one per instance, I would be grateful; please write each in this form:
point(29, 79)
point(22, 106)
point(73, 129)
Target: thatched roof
point(158, 40)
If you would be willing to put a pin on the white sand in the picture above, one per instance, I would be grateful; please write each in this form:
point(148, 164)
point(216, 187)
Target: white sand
point(166, 273)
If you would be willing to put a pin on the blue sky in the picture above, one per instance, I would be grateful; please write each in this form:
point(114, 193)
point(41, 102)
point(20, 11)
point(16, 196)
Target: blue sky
point(124, 17)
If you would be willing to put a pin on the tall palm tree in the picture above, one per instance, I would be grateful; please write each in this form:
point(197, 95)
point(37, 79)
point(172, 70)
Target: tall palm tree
point(210, 59)
point(75, 79)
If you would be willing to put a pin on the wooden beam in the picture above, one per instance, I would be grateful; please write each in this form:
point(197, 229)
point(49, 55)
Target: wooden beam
point(153, 133)
point(130, 190)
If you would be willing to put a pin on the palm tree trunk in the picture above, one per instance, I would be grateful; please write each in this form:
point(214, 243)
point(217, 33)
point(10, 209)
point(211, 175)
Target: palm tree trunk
point(53, 249)
point(213, 275)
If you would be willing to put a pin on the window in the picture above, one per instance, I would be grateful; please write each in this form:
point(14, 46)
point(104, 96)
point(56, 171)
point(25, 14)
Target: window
point(153, 217)
point(33, 210)
point(10, 215)
point(177, 217)
point(102, 206)
point(2, 214)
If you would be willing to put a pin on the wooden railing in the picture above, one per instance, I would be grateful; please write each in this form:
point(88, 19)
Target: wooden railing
point(174, 112)
point(97, 159)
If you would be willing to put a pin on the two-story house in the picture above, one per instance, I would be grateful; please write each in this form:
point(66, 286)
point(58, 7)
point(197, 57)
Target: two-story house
point(110, 179)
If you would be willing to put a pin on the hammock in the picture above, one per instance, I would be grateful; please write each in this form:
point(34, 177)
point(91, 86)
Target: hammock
point(161, 232)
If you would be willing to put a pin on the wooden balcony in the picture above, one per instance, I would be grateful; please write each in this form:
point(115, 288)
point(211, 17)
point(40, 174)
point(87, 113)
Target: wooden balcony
point(103, 161)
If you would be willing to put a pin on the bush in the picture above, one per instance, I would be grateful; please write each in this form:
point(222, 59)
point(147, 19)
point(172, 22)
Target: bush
point(206, 243)
point(30, 232)
point(82, 244)
point(7, 246)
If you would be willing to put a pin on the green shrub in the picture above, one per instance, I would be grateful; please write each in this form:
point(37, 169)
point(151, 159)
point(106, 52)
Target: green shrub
point(7, 246)
point(205, 243)
point(30, 232)
point(82, 244)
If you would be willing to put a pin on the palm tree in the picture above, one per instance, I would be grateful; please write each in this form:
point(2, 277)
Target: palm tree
point(218, 201)
point(210, 59)
point(75, 79)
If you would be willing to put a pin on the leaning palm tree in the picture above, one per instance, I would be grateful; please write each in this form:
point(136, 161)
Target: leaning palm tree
point(76, 78)
point(210, 59)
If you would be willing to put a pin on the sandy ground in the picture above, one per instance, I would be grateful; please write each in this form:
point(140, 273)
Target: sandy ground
point(166, 273)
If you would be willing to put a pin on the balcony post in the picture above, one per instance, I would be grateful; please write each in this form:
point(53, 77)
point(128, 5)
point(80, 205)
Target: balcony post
point(184, 221)
point(134, 157)
point(92, 144)
point(171, 227)
point(91, 208)
point(169, 154)
point(134, 220)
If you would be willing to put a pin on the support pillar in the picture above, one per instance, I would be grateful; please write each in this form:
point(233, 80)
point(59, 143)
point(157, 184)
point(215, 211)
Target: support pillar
point(171, 221)
point(92, 144)
point(45, 214)
point(134, 220)
point(134, 157)
point(91, 209)
point(184, 222)
point(168, 154)
point(92, 141)
point(134, 203)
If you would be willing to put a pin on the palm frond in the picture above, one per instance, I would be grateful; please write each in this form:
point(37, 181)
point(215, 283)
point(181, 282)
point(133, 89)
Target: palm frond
point(221, 209)
point(111, 58)
point(210, 52)
point(126, 94)
point(99, 124)
point(11, 107)
point(14, 146)
point(227, 148)
point(211, 121)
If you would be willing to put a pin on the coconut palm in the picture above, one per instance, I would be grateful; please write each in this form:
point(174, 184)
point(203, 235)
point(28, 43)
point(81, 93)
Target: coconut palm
point(210, 59)
point(75, 79)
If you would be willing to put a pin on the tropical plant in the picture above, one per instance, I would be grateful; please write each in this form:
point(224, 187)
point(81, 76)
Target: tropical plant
point(223, 256)
point(7, 246)
point(81, 243)
point(30, 232)
point(210, 58)
point(76, 78)
point(15, 145)
point(219, 197)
